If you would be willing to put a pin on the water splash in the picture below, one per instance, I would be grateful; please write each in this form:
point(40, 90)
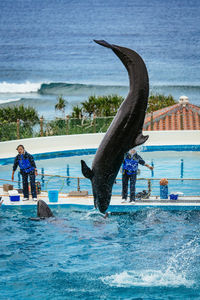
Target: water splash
point(176, 273)
point(93, 214)
point(148, 278)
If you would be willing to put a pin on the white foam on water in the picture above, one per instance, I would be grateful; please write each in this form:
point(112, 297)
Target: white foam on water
point(177, 271)
point(9, 100)
point(26, 87)
point(93, 214)
point(147, 278)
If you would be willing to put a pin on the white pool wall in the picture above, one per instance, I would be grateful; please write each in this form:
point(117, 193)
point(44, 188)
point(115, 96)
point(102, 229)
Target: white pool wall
point(89, 141)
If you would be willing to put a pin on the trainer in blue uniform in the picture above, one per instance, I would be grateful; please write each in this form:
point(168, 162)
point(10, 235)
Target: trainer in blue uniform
point(28, 168)
point(129, 171)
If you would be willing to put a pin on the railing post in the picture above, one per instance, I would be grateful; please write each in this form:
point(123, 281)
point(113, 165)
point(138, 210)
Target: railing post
point(182, 169)
point(68, 180)
point(78, 184)
point(42, 177)
point(41, 126)
point(18, 123)
point(67, 124)
point(152, 171)
point(149, 187)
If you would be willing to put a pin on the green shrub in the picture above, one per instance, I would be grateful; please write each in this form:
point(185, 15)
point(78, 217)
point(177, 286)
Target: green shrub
point(159, 101)
point(101, 106)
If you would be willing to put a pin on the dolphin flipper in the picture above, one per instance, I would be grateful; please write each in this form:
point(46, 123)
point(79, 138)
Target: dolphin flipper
point(140, 139)
point(87, 172)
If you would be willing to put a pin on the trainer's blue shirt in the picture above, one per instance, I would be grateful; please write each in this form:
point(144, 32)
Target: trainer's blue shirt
point(130, 163)
point(25, 162)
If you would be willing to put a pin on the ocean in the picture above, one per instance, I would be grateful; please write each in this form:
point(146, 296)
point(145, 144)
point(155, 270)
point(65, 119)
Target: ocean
point(47, 49)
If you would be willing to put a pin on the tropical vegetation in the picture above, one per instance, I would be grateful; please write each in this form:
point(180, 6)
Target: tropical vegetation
point(12, 114)
point(104, 106)
point(92, 115)
point(10, 128)
point(100, 106)
point(159, 101)
point(61, 104)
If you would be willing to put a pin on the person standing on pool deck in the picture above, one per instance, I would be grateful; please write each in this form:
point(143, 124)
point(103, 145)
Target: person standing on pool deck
point(27, 169)
point(129, 171)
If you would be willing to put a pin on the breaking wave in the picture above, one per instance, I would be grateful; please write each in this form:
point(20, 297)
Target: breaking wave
point(86, 89)
point(20, 88)
point(78, 89)
point(4, 101)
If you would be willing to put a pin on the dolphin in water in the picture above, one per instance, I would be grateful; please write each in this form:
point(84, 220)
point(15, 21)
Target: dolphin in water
point(125, 131)
point(43, 211)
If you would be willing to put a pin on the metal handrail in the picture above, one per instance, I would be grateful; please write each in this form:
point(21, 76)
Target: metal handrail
point(75, 177)
point(149, 180)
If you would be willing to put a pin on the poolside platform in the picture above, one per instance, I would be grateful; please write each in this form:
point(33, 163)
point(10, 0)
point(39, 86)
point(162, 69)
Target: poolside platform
point(72, 145)
point(116, 204)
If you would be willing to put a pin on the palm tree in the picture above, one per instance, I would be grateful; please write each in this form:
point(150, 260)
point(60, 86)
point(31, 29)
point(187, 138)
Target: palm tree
point(26, 114)
point(77, 112)
point(61, 105)
point(89, 106)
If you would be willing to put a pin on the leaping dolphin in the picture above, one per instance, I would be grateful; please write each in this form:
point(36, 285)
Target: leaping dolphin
point(125, 131)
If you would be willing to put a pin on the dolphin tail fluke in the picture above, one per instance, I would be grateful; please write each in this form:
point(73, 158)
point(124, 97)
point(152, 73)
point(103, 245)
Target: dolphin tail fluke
point(87, 172)
point(103, 43)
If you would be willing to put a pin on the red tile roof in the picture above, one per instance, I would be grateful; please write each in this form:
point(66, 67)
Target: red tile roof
point(181, 116)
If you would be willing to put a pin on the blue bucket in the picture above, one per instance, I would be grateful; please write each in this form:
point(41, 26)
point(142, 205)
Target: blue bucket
point(15, 198)
point(53, 196)
point(173, 197)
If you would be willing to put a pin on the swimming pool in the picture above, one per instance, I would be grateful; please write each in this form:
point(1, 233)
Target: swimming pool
point(150, 254)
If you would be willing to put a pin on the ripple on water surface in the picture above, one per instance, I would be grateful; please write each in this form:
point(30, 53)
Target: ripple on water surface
point(82, 255)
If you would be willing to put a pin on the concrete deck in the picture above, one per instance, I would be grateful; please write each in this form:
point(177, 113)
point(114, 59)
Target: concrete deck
point(116, 205)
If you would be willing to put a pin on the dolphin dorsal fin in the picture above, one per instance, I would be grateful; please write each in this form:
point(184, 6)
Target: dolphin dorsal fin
point(87, 172)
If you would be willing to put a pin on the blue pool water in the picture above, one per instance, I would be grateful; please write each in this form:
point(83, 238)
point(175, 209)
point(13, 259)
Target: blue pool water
point(150, 254)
